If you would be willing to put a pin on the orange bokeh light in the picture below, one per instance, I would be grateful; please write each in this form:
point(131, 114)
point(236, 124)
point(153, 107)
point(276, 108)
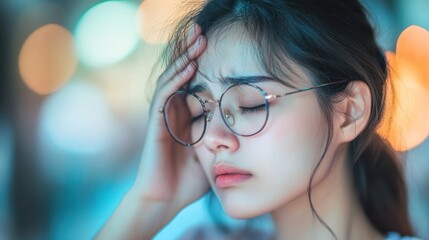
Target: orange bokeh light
point(47, 59)
point(157, 18)
point(406, 122)
point(412, 46)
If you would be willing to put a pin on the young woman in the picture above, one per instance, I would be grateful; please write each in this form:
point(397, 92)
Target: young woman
point(272, 104)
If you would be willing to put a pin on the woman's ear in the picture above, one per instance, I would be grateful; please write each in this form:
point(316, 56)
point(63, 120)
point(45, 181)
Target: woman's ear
point(353, 111)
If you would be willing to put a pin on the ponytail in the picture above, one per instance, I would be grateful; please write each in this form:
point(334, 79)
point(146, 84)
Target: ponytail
point(381, 188)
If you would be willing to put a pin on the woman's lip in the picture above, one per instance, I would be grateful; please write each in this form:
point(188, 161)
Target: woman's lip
point(229, 180)
point(227, 175)
point(224, 168)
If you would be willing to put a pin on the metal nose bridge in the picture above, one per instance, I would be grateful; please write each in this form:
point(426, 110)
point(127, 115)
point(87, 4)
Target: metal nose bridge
point(212, 101)
point(225, 113)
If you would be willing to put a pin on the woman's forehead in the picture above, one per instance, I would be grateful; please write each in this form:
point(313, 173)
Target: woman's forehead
point(229, 55)
point(232, 52)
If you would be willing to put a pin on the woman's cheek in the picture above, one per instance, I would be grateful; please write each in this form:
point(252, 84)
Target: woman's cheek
point(290, 148)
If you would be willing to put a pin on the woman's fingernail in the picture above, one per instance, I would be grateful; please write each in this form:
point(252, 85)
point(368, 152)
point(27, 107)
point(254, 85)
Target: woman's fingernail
point(198, 42)
point(193, 30)
point(196, 28)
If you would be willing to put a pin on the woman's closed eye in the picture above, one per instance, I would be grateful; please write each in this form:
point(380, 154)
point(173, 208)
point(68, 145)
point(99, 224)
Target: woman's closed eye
point(254, 109)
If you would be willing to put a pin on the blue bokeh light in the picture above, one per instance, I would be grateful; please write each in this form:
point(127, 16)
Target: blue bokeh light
point(107, 33)
point(77, 119)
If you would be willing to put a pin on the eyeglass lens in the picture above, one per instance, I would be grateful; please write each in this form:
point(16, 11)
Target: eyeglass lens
point(244, 110)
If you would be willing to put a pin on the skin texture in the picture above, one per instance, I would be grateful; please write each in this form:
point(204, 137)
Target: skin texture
point(281, 157)
point(169, 177)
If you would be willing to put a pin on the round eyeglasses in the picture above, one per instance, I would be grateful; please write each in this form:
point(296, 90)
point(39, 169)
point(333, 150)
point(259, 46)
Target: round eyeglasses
point(244, 108)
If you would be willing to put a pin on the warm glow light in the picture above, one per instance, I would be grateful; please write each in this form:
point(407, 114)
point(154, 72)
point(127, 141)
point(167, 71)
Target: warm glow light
point(413, 46)
point(47, 58)
point(406, 122)
point(156, 18)
point(107, 33)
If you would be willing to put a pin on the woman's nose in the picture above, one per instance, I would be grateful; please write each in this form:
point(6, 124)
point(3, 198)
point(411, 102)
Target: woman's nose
point(218, 137)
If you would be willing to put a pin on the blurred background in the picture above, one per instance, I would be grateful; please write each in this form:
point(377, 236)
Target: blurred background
point(76, 78)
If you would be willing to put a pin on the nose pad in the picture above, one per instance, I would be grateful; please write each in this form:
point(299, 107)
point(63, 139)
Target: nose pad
point(218, 136)
point(229, 118)
point(209, 116)
point(214, 120)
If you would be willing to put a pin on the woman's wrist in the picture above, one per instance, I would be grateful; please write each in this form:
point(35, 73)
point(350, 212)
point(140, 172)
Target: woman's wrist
point(154, 214)
point(136, 218)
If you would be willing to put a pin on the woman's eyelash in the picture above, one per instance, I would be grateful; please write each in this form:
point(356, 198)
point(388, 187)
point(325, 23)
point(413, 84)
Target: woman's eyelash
point(255, 109)
point(242, 110)
point(196, 118)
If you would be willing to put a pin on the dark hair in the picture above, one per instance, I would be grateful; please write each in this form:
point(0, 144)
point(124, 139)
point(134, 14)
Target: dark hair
point(331, 40)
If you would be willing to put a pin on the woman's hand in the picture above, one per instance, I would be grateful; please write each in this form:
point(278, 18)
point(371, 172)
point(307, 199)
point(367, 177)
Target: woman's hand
point(169, 176)
point(170, 172)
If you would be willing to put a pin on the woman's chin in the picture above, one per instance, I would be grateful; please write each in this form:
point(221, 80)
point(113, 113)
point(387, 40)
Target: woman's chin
point(240, 209)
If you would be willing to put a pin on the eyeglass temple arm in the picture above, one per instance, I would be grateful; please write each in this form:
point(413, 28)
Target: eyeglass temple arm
point(272, 97)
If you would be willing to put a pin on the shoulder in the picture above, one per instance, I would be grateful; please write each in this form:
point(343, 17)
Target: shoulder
point(397, 236)
point(213, 233)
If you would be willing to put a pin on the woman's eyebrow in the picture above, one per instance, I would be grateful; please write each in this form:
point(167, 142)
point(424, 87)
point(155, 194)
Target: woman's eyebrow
point(245, 79)
point(197, 86)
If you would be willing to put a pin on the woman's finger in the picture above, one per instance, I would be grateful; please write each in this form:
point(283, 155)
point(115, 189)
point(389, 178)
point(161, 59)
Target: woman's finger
point(178, 80)
point(172, 86)
point(191, 37)
point(182, 62)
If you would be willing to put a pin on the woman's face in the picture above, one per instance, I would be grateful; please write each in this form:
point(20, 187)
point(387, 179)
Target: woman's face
point(280, 158)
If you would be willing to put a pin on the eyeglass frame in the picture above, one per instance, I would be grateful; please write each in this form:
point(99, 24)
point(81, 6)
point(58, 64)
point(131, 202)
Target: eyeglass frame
point(208, 118)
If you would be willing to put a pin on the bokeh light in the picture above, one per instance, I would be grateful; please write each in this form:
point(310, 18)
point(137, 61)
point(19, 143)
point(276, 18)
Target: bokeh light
point(406, 123)
point(156, 18)
point(77, 119)
point(107, 33)
point(47, 59)
point(413, 47)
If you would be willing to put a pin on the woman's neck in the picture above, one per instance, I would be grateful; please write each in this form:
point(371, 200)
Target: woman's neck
point(335, 203)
